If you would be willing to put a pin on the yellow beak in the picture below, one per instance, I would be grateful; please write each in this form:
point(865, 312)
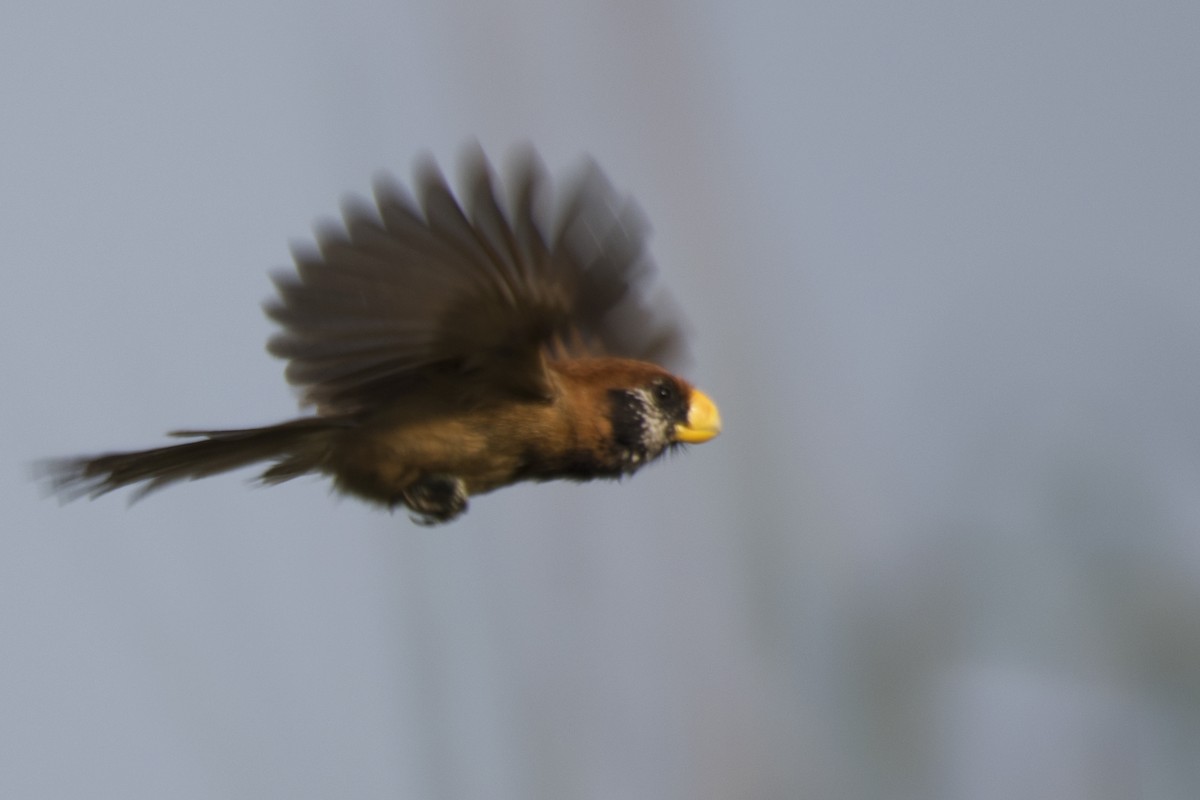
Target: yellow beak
point(703, 420)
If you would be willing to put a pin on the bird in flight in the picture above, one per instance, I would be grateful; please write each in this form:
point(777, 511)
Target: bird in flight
point(450, 346)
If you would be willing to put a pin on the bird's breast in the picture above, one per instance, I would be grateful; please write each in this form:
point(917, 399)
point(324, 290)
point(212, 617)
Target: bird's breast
point(486, 448)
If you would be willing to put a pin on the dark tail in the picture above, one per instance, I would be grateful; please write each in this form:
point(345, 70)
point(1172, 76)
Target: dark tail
point(296, 447)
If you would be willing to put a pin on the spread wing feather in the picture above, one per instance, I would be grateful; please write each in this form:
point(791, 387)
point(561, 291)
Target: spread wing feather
point(406, 286)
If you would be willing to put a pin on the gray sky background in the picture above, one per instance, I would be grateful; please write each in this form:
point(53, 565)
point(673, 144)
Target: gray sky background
point(941, 265)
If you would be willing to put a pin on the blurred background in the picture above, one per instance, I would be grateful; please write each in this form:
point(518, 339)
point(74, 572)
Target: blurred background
point(940, 262)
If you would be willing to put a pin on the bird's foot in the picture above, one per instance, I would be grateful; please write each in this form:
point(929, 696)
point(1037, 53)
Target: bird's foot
point(435, 499)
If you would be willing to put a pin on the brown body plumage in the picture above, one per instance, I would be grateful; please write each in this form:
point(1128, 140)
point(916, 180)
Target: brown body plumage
point(454, 348)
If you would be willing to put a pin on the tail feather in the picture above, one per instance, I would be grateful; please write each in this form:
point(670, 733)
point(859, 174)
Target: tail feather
point(296, 447)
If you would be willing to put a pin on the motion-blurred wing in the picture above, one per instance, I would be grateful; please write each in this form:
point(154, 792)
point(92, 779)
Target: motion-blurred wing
point(469, 285)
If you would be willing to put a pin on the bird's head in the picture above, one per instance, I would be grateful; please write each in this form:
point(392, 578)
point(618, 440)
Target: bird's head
point(639, 411)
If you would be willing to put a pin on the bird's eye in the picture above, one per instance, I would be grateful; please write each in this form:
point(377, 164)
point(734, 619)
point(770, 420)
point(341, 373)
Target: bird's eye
point(665, 391)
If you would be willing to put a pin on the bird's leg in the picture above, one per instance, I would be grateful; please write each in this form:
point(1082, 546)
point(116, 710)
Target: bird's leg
point(434, 499)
